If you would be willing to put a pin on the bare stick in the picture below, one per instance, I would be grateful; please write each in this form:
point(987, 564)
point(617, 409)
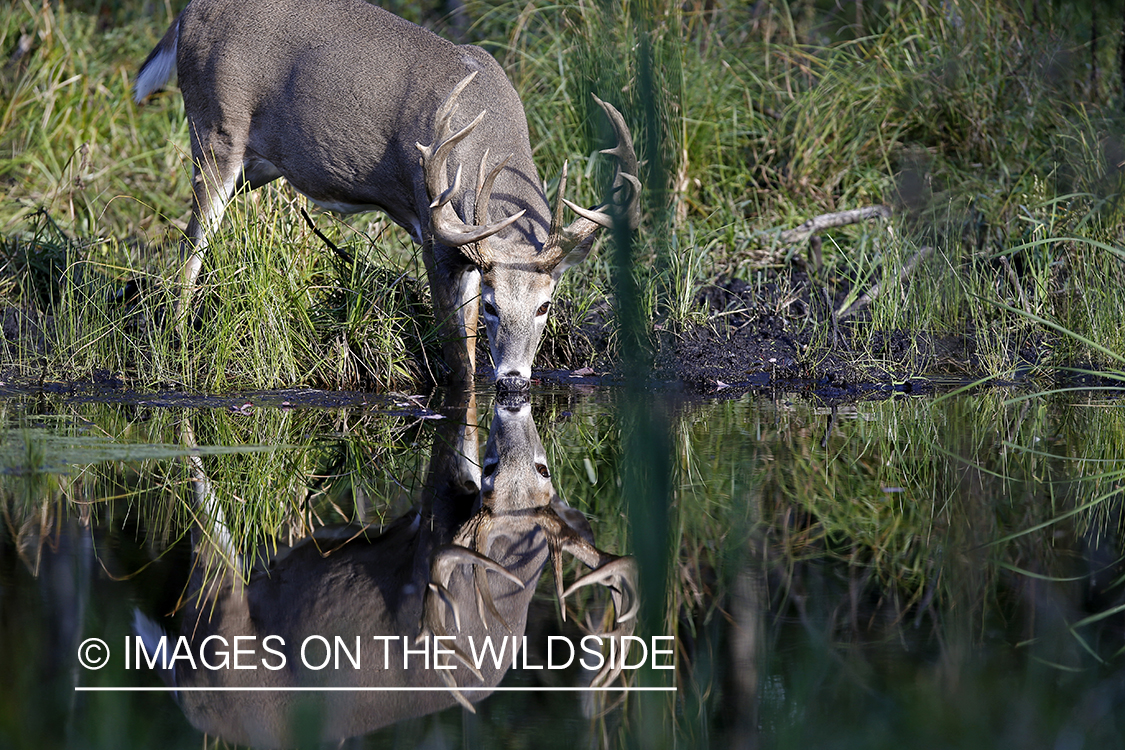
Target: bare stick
point(828, 221)
point(876, 289)
point(343, 254)
point(1015, 281)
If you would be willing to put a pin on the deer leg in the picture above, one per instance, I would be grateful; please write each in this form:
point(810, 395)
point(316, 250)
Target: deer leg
point(212, 540)
point(215, 176)
point(452, 487)
point(469, 304)
point(455, 290)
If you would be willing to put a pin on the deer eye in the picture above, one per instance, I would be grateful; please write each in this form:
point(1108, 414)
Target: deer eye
point(543, 308)
point(490, 469)
point(542, 469)
point(489, 309)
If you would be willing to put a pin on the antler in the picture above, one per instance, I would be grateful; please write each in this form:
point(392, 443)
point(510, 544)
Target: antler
point(624, 200)
point(619, 575)
point(445, 225)
point(441, 567)
point(442, 564)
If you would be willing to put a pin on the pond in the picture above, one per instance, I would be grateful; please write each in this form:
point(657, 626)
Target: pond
point(596, 567)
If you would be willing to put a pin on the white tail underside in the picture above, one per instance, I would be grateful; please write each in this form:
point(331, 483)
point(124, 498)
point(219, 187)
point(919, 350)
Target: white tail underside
point(157, 71)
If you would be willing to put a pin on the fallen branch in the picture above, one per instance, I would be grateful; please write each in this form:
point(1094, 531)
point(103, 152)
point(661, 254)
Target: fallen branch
point(344, 255)
point(1015, 282)
point(828, 221)
point(876, 289)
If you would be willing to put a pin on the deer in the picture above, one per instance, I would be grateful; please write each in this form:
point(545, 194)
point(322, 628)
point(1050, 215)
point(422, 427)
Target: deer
point(463, 563)
point(361, 110)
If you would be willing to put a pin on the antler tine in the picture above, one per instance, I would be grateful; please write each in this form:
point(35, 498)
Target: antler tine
point(623, 150)
point(630, 208)
point(445, 225)
point(441, 567)
point(436, 156)
point(446, 674)
point(447, 557)
point(454, 688)
point(482, 210)
point(485, 604)
point(438, 630)
point(624, 176)
point(442, 116)
point(449, 601)
point(484, 186)
point(627, 167)
point(623, 202)
point(619, 576)
point(601, 218)
point(557, 216)
point(554, 545)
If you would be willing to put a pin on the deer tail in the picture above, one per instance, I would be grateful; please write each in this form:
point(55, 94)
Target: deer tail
point(159, 65)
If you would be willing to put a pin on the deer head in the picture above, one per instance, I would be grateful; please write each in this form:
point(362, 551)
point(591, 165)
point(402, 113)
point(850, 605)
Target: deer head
point(518, 279)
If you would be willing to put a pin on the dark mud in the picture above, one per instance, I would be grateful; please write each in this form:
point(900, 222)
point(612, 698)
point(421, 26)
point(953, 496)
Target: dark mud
point(783, 334)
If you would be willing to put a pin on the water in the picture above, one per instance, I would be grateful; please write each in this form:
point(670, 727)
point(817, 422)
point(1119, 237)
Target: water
point(910, 572)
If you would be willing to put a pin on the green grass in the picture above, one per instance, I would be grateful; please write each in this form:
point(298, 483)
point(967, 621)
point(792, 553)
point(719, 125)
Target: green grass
point(980, 125)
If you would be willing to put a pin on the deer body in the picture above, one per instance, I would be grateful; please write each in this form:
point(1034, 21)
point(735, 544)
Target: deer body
point(341, 97)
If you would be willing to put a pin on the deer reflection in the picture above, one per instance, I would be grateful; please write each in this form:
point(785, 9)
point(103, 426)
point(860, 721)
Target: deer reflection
point(462, 566)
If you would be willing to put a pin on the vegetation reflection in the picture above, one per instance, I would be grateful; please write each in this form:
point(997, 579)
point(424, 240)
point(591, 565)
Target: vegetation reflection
point(918, 568)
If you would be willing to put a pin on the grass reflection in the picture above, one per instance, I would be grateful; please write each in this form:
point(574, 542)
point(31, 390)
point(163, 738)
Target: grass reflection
point(957, 559)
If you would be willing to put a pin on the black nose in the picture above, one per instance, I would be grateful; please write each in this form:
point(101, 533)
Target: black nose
point(512, 384)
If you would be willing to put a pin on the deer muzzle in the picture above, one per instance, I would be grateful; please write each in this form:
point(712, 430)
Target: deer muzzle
point(512, 386)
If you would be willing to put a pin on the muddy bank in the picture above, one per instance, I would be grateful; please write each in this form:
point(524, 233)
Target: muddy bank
point(785, 331)
point(782, 334)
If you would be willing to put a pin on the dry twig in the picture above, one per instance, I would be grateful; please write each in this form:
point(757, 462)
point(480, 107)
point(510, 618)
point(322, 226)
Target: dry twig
point(876, 289)
point(828, 221)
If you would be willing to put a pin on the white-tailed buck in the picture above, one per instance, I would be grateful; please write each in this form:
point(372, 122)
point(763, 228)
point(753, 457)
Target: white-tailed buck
point(463, 565)
point(361, 110)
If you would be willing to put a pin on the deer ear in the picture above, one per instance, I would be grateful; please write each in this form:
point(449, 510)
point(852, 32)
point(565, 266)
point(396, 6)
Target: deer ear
point(573, 258)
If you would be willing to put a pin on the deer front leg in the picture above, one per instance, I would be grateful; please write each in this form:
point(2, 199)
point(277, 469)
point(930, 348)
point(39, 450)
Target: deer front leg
point(191, 254)
point(218, 164)
point(455, 290)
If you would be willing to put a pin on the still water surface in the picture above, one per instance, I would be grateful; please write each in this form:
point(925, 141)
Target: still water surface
point(908, 572)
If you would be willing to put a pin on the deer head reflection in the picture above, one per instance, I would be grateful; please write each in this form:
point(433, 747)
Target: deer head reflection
point(409, 605)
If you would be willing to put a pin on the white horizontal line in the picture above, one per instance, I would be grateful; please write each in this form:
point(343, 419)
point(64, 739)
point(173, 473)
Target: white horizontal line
point(133, 689)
